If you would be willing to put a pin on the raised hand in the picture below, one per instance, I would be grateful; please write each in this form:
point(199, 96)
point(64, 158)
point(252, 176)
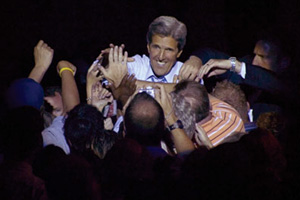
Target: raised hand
point(43, 55)
point(126, 88)
point(117, 67)
point(100, 96)
point(216, 67)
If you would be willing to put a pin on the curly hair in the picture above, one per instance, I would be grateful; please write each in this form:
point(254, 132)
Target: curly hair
point(233, 95)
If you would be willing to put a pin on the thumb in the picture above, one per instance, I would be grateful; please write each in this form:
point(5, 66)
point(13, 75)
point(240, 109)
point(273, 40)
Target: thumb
point(175, 78)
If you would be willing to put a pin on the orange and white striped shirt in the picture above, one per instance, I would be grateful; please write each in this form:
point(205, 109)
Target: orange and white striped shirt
point(225, 121)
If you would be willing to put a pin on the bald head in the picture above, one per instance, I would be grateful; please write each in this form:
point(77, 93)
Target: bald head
point(144, 120)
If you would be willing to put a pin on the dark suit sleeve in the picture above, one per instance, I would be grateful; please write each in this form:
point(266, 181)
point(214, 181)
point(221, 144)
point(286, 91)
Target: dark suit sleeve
point(263, 79)
point(256, 76)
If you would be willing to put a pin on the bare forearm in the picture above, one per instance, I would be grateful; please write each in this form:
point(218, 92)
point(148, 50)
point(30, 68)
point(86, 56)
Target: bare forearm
point(37, 73)
point(182, 142)
point(70, 94)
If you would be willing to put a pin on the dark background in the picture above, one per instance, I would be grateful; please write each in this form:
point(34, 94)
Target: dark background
point(78, 30)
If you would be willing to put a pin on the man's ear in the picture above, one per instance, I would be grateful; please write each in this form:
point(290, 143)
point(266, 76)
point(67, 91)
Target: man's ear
point(179, 53)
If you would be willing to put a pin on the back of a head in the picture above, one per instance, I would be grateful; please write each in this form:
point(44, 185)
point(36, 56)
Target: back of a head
point(190, 103)
point(168, 26)
point(144, 120)
point(24, 92)
point(233, 95)
point(82, 124)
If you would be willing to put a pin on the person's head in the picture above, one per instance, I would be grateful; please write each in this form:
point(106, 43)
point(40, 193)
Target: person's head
point(190, 103)
point(234, 96)
point(83, 123)
point(144, 120)
point(270, 53)
point(102, 143)
point(24, 92)
point(166, 38)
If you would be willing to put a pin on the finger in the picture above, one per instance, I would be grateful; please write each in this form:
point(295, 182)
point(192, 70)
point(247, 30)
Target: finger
point(110, 56)
point(157, 93)
point(125, 57)
point(93, 67)
point(103, 71)
point(193, 76)
point(175, 78)
point(40, 43)
point(120, 54)
point(115, 57)
point(124, 80)
point(131, 78)
point(132, 83)
point(130, 59)
point(182, 69)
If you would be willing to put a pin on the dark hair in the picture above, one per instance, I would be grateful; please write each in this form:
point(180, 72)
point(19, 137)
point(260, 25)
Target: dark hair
point(83, 123)
point(144, 120)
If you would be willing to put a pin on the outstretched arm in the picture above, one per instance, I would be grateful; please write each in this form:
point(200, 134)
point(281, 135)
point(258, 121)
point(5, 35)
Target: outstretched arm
point(190, 68)
point(43, 55)
point(70, 94)
point(182, 142)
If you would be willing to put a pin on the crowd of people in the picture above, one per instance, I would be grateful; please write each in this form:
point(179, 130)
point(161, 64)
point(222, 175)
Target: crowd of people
point(151, 126)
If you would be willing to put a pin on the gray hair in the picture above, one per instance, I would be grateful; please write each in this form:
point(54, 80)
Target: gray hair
point(168, 26)
point(186, 114)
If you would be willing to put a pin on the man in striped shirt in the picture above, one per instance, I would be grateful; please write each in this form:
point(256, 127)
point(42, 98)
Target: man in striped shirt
point(200, 111)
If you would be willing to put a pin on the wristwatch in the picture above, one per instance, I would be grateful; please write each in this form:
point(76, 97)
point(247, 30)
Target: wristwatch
point(233, 62)
point(177, 124)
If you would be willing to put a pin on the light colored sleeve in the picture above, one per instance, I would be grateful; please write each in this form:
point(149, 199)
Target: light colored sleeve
point(54, 135)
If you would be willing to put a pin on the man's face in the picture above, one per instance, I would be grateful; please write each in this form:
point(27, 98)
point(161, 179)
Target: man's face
point(262, 56)
point(163, 53)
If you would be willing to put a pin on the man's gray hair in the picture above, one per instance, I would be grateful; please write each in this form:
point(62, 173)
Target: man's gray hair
point(168, 26)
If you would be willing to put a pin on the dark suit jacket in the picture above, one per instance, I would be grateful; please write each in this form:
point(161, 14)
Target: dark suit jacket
point(263, 88)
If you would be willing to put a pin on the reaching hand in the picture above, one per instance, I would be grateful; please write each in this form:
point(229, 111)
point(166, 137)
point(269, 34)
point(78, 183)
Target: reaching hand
point(202, 138)
point(105, 52)
point(43, 55)
point(216, 67)
point(164, 99)
point(126, 88)
point(92, 76)
point(100, 96)
point(117, 66)
point(190, 68)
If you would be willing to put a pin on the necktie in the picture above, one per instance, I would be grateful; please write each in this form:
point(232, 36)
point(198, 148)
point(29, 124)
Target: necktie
point(157, 80)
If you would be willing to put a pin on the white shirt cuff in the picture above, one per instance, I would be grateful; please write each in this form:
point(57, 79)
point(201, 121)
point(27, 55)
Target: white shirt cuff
point(243, 70)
